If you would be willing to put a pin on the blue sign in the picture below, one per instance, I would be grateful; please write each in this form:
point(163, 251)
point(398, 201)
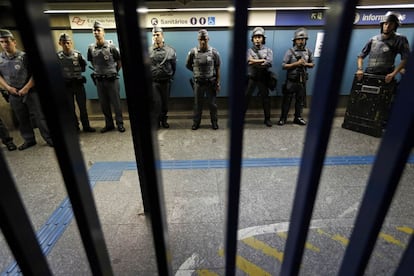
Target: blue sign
point(374, 17)
point(300, 18)
point(317, 17)
point(211, 20)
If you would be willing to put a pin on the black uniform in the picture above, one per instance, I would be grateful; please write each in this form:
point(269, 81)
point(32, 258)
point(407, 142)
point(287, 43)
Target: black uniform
point(163, 66)
point(258, 76)
point(104, 60)
point(296, 78)
point(15, 71)
point(72, 67)
point(204, 64)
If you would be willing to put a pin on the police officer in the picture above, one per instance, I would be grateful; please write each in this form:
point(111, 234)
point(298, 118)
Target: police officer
point(204, 61)
point(106, 61)
point(5, 137)
point(259, 60)
point(163, 66)
point(296, 61)
point(16, 78)
point(73, 64)
point(383, 48)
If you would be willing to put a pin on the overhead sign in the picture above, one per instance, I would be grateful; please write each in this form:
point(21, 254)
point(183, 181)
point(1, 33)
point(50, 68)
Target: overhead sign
point(374, 17)
point(175, 19)
point(225, 19)
point(300, 18)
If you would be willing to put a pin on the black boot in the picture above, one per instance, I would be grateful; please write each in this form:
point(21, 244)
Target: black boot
point(9, 144)
point(214, 125)
point(164, 122)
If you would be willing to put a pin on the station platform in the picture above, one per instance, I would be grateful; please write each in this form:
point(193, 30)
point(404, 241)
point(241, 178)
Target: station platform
point(194, 179)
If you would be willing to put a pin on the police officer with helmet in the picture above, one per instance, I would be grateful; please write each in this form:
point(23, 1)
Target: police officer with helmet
point(204, 61)
point(259, 60)
point(16, 78)
point(106, 61)
point(382, 50)
point(296, 61)
point(73, 64)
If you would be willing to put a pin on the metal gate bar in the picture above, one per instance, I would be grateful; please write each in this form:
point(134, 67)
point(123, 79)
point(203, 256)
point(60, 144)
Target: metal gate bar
point(17, 227)
point(35, 33)
point(338, 29)
point(134, 50)
point(392, 156)
point(237, 88)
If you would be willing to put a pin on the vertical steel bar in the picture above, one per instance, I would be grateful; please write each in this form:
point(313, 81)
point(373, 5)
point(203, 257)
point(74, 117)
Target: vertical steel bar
point(134, 52)
point(338, 28)
point(406, 266)
point(17, 227)
point(237, 88)
point(392, 156)
point(35, 33)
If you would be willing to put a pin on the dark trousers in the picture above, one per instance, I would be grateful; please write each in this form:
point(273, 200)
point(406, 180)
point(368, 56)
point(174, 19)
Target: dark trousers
point(4, 133)
point(263, 92)
point(200, 90)
point(28, 107)
point(295, 90)
point(76, 91)
point(161, 95)
point(108, 93)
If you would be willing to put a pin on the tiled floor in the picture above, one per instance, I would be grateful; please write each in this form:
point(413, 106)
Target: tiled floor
point(194, 178)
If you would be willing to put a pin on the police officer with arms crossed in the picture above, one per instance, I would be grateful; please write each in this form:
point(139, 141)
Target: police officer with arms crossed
point(259, 60)
point(296, 61)
point(383, 48)
point(16, 78)
point(163, 65)
point(73, 64)
point(204, 61)
point(106, 61)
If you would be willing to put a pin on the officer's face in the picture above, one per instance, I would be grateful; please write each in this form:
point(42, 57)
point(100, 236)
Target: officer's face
point(300, 42)
point(98, 33)
point(66, 45)
point(203, 42)
point(258, 40)
point(388, 27)
point(158, 38)
point(8, 44)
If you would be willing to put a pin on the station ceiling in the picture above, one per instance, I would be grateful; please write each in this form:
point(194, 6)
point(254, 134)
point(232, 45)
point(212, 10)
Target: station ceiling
point(79, 4)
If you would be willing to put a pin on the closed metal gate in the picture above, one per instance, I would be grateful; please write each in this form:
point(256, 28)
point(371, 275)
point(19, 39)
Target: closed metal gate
point(390, 161)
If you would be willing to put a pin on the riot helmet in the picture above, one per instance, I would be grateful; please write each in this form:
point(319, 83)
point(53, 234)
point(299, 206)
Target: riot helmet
point(300, 33)
point(259, 31)
point(391, 17)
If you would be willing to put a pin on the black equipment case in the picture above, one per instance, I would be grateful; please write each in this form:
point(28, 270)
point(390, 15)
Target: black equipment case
point(369, 104)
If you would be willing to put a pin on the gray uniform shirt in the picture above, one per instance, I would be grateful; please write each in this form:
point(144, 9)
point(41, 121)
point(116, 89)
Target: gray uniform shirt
point(163, 62)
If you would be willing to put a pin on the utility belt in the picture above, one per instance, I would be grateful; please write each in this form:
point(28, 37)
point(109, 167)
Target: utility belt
point(379, 70)
point(75, 81)
point(301, 78)
point(112, 76)
point(161, 80)
point(205, 81)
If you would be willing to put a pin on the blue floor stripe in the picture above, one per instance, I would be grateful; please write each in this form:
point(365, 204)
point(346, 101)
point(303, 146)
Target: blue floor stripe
point(57, 223)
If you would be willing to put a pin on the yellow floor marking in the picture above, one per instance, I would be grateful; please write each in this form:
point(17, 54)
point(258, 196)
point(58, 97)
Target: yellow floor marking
point(307, 244)
point(265, 248)
point(247, 267)
point(391, 239)
point(339, 238)
point(406, 229)
point(205, 272)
